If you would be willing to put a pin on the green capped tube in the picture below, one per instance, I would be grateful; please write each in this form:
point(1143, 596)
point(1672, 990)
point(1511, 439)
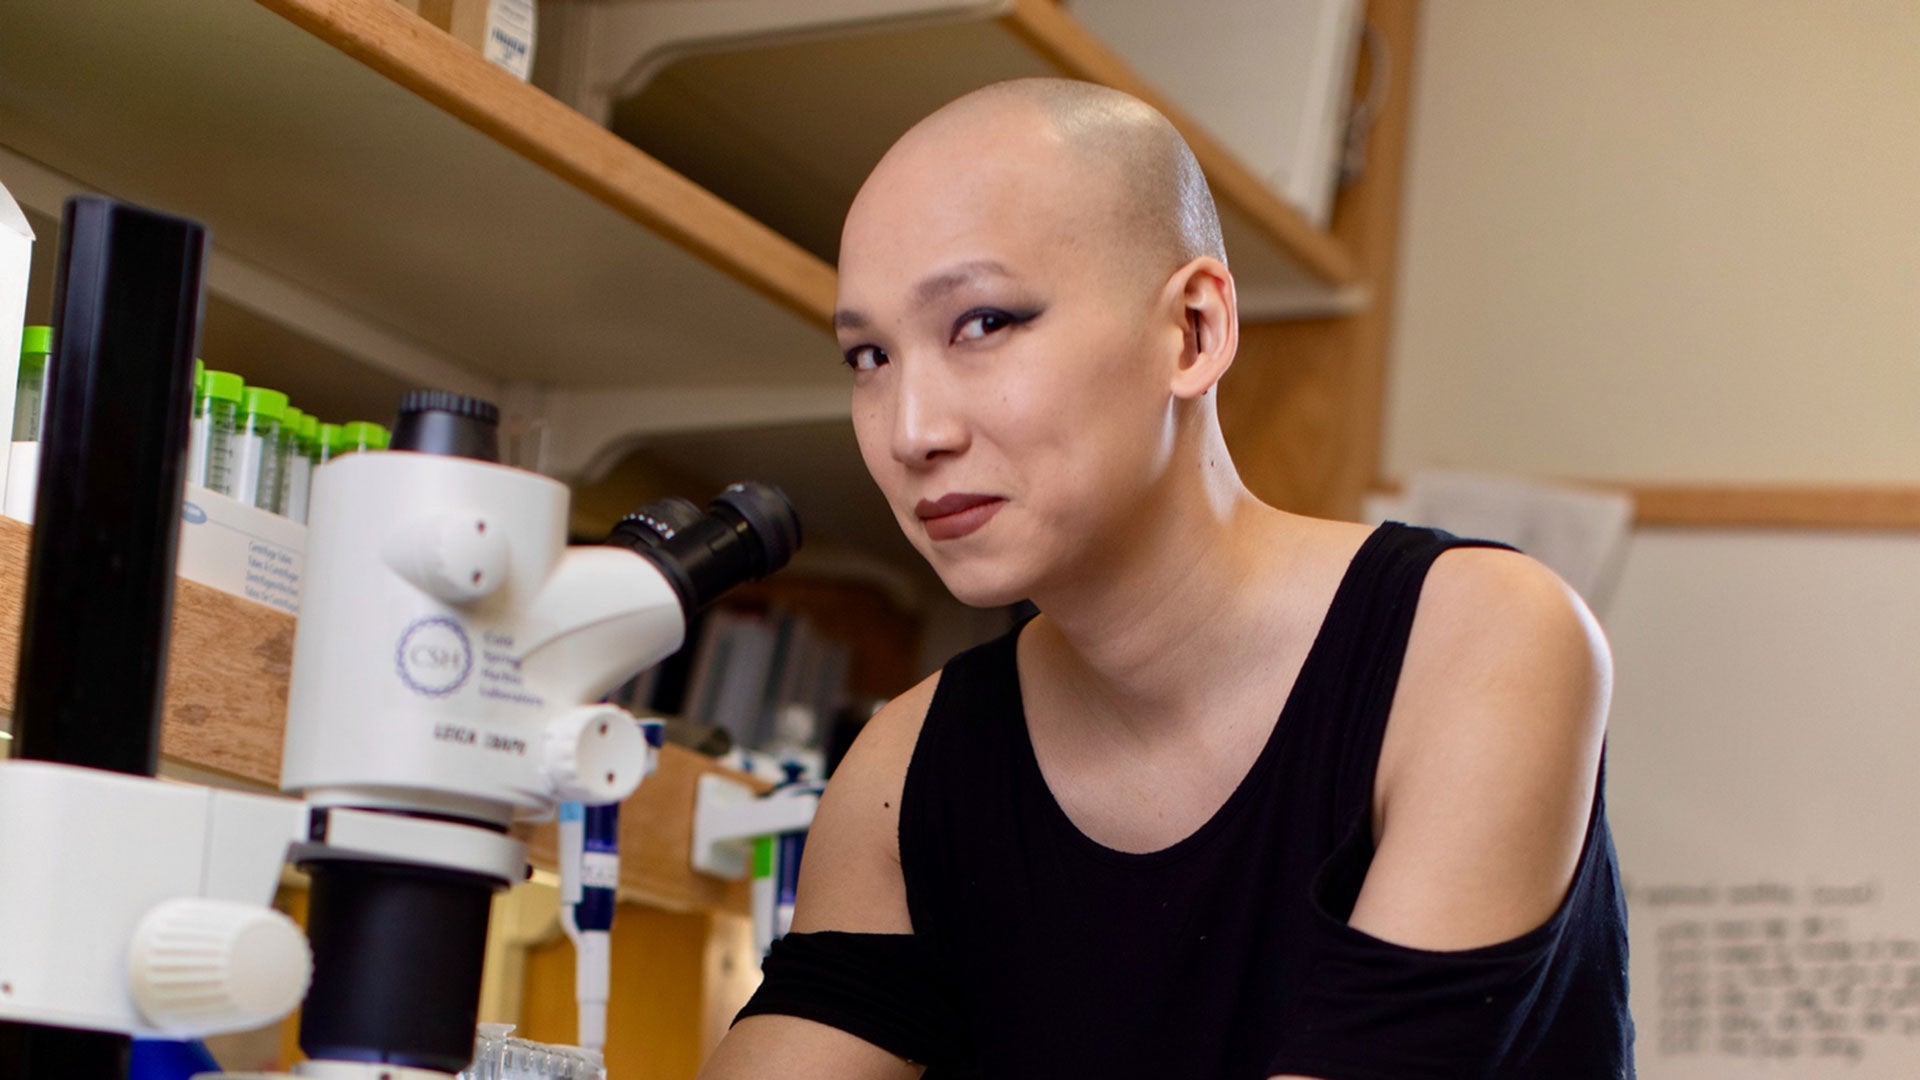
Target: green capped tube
point(216, 408)
point(283, 454)
point(256, 447)
point(362, 435)
point(328, 444)
point(296, 486)
point(36, 348)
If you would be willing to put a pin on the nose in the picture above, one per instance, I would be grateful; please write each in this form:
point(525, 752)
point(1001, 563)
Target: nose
point(927, 420)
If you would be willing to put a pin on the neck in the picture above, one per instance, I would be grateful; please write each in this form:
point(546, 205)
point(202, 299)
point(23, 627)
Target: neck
point(1171, 610)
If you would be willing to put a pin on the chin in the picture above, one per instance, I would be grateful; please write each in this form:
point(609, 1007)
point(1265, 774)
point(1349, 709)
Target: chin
point(981, 584)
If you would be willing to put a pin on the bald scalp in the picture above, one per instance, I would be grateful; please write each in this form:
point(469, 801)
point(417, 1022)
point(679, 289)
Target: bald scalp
point(1163, 211)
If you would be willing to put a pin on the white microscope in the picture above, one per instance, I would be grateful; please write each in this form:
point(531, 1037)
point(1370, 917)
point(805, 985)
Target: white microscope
point(449, 652)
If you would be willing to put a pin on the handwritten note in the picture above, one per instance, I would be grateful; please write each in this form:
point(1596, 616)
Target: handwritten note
point(1772, 971)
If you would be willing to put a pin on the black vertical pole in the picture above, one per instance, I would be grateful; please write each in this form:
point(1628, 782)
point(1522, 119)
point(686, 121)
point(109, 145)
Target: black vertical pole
point(93, 643)
point(99, 598)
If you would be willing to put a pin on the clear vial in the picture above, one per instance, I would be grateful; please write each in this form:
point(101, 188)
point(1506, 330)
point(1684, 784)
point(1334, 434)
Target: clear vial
point(256, 447)
point(297, 481)
point(216, 409)
point(36, 347)
point(327, 444)
point(283, 453)
point(196, 441)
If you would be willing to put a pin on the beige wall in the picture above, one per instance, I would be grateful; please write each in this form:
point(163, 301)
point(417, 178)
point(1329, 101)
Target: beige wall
point(1663, 239)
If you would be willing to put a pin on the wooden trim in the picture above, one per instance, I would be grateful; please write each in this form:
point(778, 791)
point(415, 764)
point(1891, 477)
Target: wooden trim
point(1303, 406)
point(419, 56)
point(1764, 506)
point(1054, 34)
point(228, 666)
point(1368, 220)
point(1733, 506)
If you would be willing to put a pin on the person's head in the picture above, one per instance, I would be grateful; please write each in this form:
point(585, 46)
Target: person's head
point(1035, 299)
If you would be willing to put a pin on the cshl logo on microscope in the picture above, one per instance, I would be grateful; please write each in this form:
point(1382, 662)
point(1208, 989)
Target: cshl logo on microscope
point(434, 656)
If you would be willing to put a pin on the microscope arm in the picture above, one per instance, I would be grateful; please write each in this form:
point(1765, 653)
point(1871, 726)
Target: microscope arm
point(99, 863)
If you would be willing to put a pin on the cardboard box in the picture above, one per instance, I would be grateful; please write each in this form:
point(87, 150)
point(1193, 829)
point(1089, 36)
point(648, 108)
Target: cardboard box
point(238, 549)
point(16, 262)
point(502, 30)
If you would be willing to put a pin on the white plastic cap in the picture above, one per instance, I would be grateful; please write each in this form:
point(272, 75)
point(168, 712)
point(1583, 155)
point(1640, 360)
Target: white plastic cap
point(595, 754)
point(200, 967)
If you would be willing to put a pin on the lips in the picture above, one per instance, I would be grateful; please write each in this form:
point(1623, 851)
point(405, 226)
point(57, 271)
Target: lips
point(951, 517)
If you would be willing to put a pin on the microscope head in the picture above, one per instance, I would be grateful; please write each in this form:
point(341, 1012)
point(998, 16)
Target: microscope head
point(451, 646)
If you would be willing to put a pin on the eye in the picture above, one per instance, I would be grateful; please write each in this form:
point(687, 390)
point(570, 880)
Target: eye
point(865, 357)
point(975, 325)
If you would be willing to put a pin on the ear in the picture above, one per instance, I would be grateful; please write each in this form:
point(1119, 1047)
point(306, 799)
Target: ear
point(1202, 292)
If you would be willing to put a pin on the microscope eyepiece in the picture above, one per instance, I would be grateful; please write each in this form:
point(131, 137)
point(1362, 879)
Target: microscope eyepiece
point(443, 422)
point(747, 532)
point(771, 524)
point(654, 523)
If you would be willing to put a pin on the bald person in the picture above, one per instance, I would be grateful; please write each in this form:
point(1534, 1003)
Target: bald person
point(1255, 794)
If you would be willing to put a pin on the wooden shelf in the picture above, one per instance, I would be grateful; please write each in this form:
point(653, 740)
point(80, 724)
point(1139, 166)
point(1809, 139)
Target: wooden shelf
point(225, 714)
point(1768, 506)
point(788, 129)
point(359, 155)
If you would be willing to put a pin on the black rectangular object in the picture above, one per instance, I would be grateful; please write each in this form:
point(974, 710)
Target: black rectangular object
point(119, 400)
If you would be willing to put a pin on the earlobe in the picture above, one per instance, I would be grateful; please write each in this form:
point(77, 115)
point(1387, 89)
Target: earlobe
point(1212, 331)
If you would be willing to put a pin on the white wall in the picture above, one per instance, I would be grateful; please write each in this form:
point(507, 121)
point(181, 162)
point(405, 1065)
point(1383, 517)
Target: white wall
point(1680, 239)
point(1663, 239)
point(1762, 754)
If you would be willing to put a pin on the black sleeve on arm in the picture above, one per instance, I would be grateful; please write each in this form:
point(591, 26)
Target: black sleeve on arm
point(876, 987)
point(1374, 1010)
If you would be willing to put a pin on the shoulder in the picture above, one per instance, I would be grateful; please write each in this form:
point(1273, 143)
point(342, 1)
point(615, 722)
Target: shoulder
point(850, 879)
point(879, 757)
point(1497, 628)
point(1488, 770)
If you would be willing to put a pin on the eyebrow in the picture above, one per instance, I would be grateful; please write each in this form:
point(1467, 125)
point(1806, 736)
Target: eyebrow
point(931, 289)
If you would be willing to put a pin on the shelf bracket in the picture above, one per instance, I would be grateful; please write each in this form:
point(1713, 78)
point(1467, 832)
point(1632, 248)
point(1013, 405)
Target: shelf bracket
point(727, 816)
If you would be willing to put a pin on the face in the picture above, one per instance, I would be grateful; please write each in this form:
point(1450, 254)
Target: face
point(1010, 392)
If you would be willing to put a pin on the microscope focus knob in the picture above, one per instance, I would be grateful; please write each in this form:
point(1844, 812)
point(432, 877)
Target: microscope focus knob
point(595, 754)
point(454, 556)
point(200, 967)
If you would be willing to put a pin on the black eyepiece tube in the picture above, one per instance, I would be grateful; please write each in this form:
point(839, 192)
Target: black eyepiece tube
point(748, 531)
point(443, 422)
point(654, 523)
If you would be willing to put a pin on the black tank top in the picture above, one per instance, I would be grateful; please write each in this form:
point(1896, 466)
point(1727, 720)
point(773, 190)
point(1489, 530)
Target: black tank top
point(1228, 954)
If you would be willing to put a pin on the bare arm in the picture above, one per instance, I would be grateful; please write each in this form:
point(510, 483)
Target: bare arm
point(850, 880)
point(1492, 754)
point(1487, 776)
